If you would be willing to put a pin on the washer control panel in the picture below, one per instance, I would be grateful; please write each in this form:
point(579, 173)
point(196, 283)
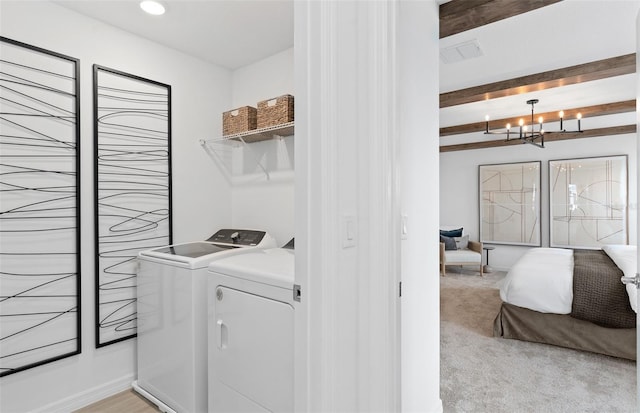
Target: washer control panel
point(241, 237)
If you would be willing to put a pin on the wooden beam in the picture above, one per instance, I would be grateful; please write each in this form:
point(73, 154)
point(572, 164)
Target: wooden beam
point(601, 69)
point(458, 16)
point(569, 115)
point(548, 137)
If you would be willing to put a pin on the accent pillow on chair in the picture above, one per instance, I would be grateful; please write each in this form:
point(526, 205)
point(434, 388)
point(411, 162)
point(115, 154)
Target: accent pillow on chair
point(451, 232)
point(461, 242)
point(449, 243)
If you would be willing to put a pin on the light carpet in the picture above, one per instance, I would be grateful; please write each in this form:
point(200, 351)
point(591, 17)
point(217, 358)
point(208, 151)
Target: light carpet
point(481, 373)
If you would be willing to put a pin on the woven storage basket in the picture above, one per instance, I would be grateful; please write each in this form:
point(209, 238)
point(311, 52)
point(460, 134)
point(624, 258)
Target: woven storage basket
point(275, 111)
point(239, 120)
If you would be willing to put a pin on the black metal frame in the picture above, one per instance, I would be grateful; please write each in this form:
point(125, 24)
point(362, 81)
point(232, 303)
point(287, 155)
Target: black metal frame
point(531, 137)
point(35, 134)
point(132, 110)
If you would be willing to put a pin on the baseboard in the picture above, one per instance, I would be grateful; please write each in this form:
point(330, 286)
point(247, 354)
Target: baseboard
point(153, 399)
point(437, 408)
point(89, 396)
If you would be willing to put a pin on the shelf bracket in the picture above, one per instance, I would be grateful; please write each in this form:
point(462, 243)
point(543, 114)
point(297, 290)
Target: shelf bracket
point(245, 138)
point(205, 143)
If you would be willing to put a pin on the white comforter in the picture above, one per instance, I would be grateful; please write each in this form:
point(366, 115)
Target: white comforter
point(542, 280)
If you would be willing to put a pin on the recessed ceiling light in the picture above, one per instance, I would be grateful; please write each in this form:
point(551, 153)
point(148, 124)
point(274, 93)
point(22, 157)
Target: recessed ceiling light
point(152, 7)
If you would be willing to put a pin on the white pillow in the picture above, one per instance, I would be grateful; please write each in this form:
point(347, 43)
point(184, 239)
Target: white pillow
point(624, 256)
point(462, 242)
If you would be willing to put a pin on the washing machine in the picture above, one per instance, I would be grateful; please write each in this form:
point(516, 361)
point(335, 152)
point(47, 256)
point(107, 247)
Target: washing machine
point(251, 332)
point(172, 317)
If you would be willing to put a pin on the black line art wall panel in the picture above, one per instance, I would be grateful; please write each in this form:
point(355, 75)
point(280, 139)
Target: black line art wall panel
point(132, 131)
point(39, 206)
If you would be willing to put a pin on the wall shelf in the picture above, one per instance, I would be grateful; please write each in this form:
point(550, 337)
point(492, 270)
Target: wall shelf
point(257, 135)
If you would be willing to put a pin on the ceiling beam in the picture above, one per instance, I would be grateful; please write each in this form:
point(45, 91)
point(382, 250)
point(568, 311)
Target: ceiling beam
point(458, 16)
point(548, 137)
point(601, 69)
point(569, 116)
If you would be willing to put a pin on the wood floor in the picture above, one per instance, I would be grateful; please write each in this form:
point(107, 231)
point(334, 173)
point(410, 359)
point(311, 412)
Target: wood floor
point(127, 401)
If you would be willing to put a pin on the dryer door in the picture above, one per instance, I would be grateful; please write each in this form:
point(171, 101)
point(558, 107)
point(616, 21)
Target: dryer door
point(252, 353)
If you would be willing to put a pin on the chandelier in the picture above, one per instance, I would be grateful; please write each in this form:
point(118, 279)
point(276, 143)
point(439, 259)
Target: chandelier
point(528, 133)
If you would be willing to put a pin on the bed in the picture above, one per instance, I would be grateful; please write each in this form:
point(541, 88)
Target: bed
point(573, 299)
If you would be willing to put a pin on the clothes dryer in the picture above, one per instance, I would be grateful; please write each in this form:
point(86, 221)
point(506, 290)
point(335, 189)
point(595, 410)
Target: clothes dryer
point(172, 317)
point(251, 332)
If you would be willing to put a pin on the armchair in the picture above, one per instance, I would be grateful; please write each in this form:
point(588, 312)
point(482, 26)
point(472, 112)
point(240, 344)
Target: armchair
point(469, 254)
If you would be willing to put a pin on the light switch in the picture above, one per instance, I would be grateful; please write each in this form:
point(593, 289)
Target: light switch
point(404, 230)
point(349, 231)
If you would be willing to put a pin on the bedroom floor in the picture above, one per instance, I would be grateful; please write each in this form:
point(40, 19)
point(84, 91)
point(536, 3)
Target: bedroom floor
point(480, 373)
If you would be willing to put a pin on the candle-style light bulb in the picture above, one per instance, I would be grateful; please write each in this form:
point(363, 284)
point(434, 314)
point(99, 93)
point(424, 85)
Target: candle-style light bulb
point(539, 122)
point(561, 114)
point(521, 122)
point(579, 116)
point(508, 126)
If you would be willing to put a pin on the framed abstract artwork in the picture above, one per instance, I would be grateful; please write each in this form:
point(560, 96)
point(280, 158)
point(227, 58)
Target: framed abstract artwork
point(132, 133)
point(510, 203)
point(588, 201)
point(39, 206)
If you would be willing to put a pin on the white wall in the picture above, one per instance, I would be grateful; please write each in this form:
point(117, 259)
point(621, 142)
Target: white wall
point(258, 202)
point(265, 79)
point(199, 91)
point(459, 183)
point(418, 74)
point(370, 102)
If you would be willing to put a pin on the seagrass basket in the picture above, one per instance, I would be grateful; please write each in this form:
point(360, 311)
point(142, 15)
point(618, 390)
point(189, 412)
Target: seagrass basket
point(276, 111)
point(239, 120)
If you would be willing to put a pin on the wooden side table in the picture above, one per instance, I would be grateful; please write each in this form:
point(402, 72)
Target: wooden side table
point(487, 268)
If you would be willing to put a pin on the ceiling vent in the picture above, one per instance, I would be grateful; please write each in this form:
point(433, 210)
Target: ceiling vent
point(461, 51)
